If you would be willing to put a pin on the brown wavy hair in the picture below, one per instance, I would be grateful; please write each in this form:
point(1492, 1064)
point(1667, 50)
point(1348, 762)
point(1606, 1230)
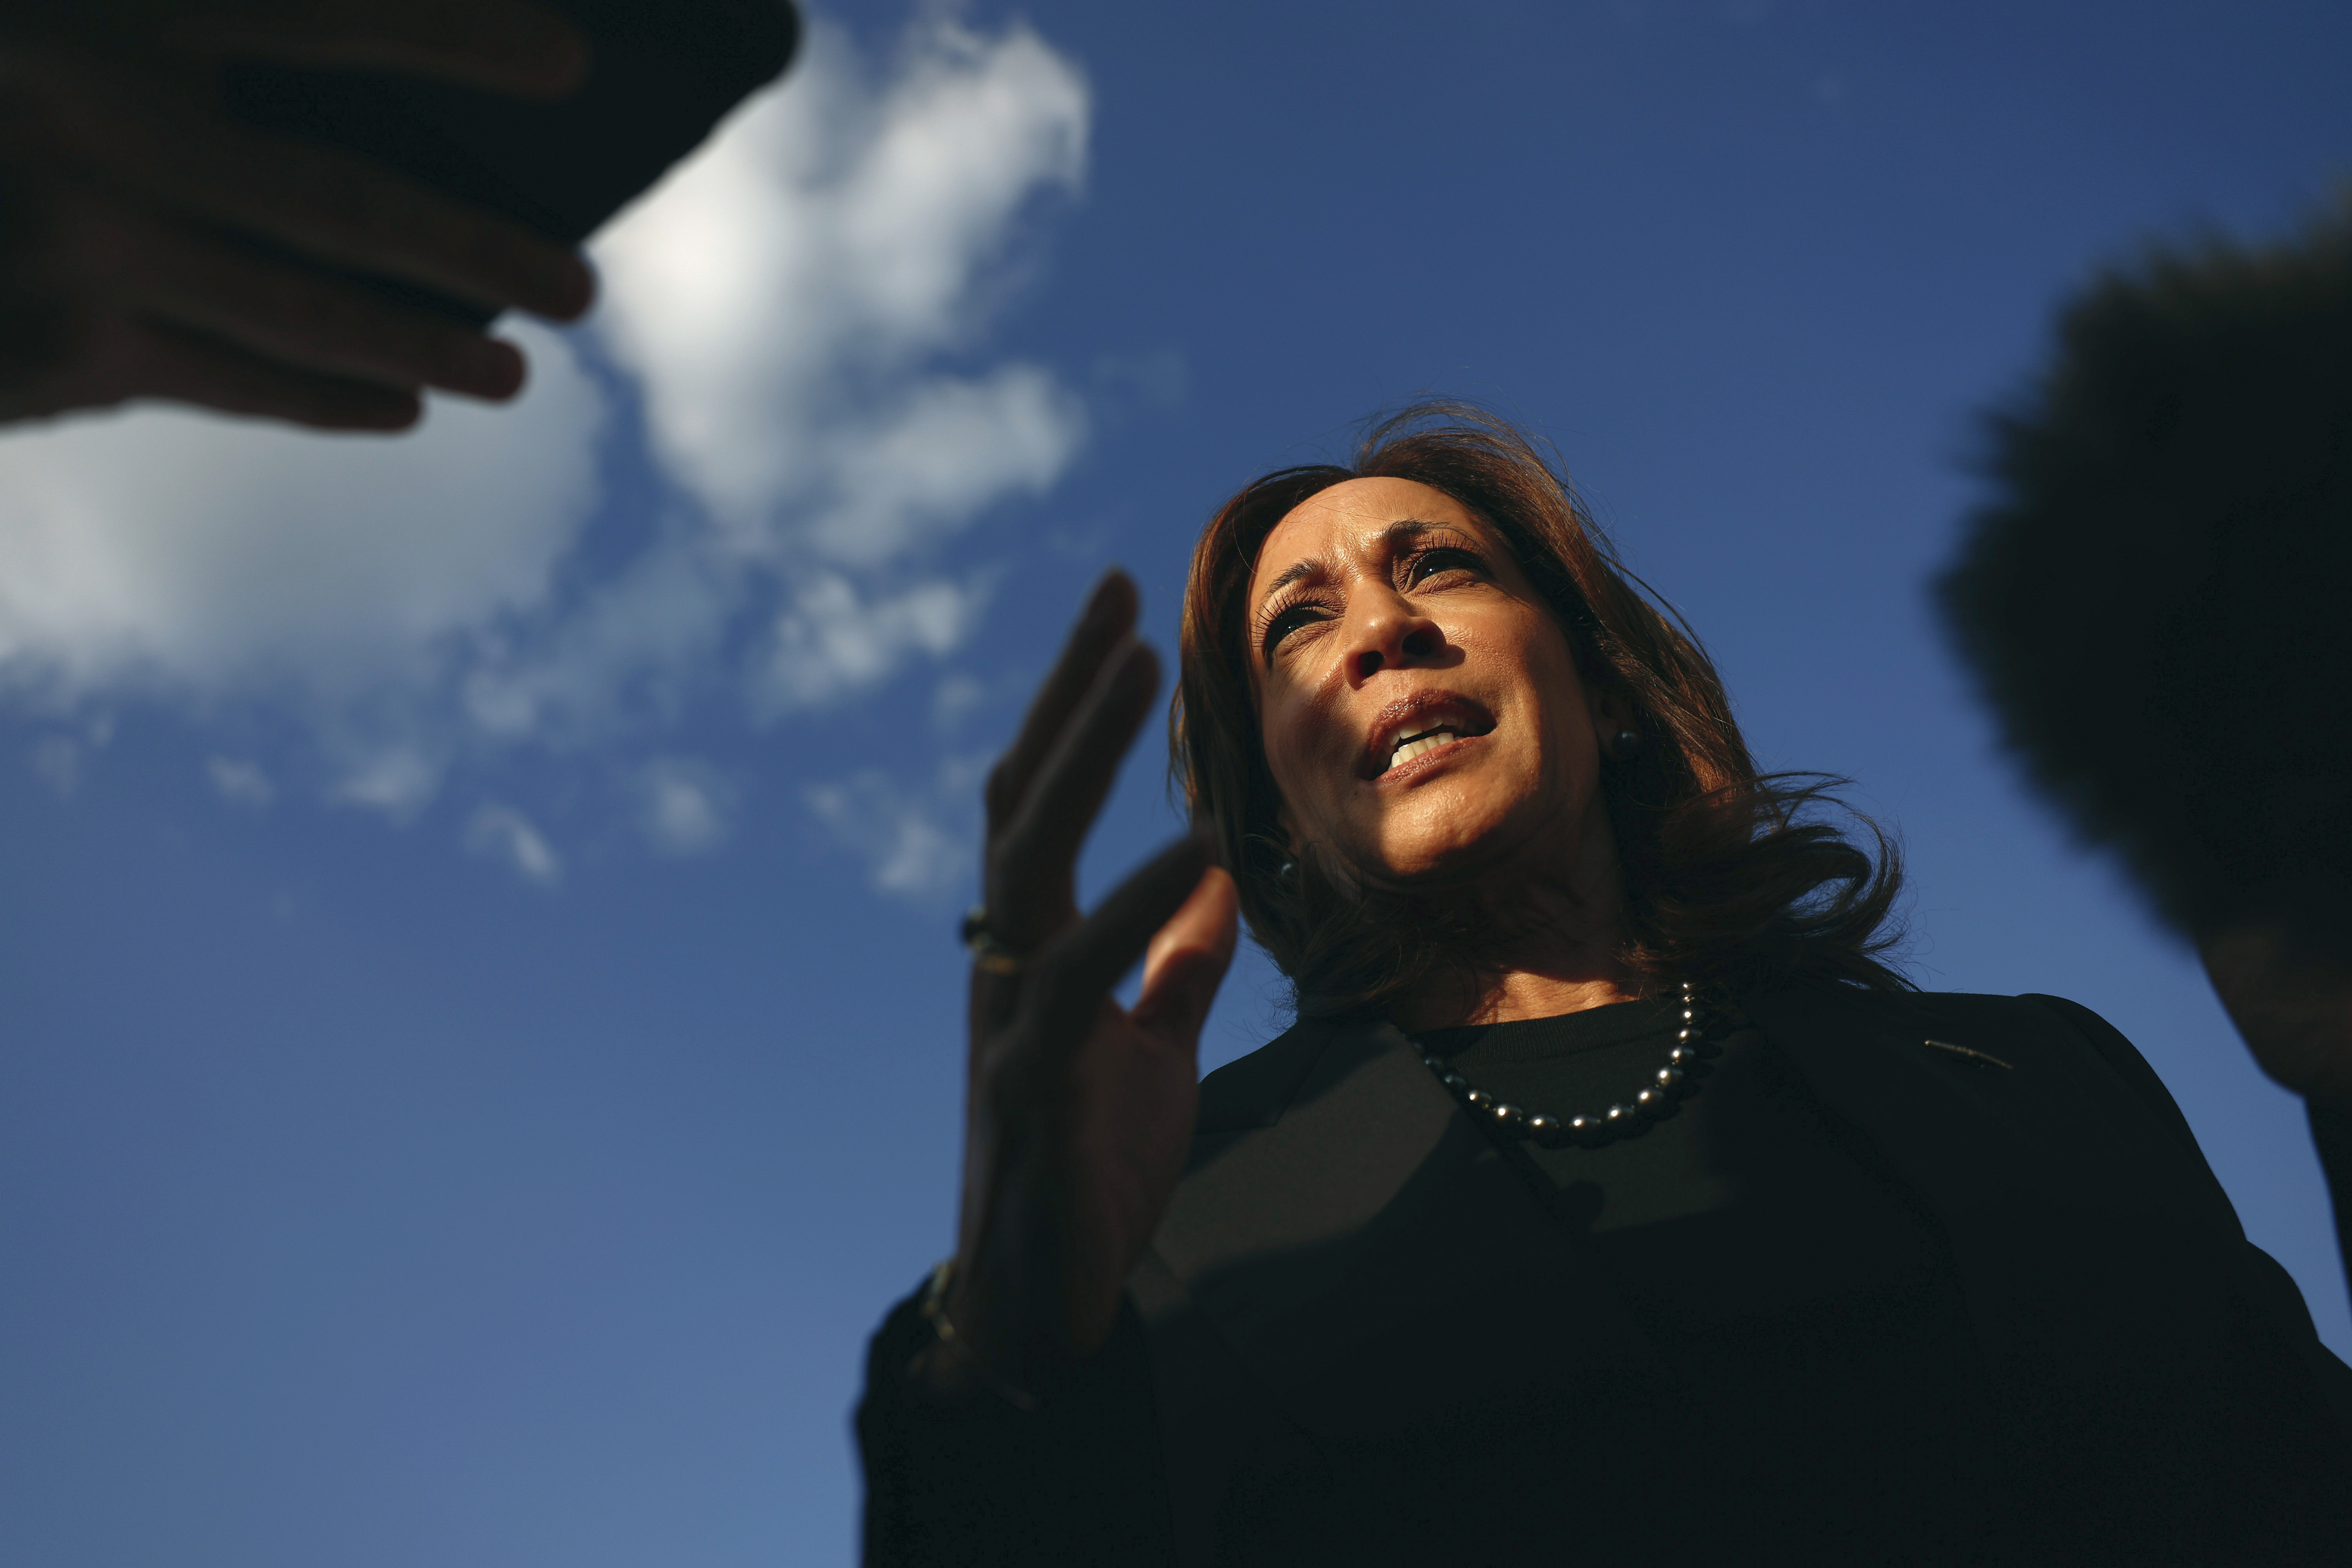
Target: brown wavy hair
point(1733, 878)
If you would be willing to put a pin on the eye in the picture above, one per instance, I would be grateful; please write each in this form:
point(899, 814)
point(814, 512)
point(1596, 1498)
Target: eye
point(1287, 619)
point(1435, 561)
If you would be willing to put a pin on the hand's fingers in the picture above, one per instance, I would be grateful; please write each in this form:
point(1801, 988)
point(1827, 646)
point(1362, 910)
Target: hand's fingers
point(187, 368)
point(345, 209)
point(1109, 616)
point(1078, 970)
point(1188, 959)
point(140, 359)
point(316, 200)
point(1031, 864)
point(498, 44)
point(306, 320)
point(71, 337)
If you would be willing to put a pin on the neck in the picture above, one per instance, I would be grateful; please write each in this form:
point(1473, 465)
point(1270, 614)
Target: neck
point(1562, 958)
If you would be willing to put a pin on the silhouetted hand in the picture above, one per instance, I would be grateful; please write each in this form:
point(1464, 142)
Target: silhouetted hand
point(1079, 1111)
point(124, 191)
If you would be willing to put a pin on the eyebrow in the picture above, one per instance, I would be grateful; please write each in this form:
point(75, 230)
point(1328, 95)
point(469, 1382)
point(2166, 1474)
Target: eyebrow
point(1299, 571)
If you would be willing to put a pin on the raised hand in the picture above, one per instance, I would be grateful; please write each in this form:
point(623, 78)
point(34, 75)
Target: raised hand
point(125, 195)
point(1079, 1111)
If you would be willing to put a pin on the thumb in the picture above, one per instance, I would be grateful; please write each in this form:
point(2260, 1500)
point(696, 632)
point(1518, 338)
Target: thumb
point(1188, 959)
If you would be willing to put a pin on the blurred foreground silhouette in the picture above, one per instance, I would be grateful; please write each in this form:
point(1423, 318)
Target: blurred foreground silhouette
point(2156, 603)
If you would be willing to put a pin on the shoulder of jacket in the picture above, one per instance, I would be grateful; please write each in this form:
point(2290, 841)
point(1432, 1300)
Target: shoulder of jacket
point(2053, 1019)
point(1906, 1008)
point(1252, 1090)
point(1980, 1022)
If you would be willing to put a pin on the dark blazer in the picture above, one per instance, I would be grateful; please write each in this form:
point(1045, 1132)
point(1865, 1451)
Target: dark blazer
point(1348, 1254)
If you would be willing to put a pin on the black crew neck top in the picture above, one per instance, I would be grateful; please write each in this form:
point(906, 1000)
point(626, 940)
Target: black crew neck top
point(1803, 1305)
point(1815, 1394)
point(1810, 1391)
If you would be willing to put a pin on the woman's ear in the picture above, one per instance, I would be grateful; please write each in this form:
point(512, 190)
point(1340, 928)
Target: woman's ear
point(1330, 868)
point(1611, 714)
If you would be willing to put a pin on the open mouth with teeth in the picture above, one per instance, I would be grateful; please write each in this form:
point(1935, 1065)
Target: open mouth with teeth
point(1419, 741)
point(1414, 730)
point(1409, 747)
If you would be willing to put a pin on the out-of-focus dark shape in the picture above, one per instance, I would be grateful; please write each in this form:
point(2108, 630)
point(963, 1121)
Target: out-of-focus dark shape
point(2158, 603)
point(308, 211)
point(2158, 600)
point(661, 77)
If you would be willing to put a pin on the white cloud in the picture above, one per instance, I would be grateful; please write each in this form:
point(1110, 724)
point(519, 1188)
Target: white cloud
point(240, 782)
point(161, 550)
point(920, 844)
point(504, 834)
point(909, 849)
point(785, 298)
point(833, 639)
point(685, 805)
point(955, 446)
point(61, 758)
point(799, 307)
point(878, 203)
point(396, 777)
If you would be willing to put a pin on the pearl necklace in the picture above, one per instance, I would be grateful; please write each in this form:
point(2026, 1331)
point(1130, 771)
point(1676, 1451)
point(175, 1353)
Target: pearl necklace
point(1687, 1063)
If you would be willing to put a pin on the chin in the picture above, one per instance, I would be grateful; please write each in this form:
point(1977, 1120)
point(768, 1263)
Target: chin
point(1453, 861)
point(1456, 843)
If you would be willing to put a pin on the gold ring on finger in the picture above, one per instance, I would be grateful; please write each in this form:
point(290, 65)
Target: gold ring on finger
point(989, 953)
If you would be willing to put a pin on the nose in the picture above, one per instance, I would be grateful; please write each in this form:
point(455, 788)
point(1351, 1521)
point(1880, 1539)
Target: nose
point(1388, 634)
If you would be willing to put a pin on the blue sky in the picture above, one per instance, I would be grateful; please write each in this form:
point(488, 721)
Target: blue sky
point(479, 1038)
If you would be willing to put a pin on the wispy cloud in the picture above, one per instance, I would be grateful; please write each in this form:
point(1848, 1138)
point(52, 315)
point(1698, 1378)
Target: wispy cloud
point(919, 843)
point(57, 762)
point(61, 755)
point(685, 805)
point(799, 310)
point(240, 782)
point(835, 638)
point(502, 833)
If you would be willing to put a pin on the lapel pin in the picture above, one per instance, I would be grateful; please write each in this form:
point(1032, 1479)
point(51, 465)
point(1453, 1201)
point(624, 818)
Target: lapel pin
point(1974, 1055)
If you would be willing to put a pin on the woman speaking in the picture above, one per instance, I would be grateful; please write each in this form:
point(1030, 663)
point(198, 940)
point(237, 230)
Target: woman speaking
point(1611, 1199)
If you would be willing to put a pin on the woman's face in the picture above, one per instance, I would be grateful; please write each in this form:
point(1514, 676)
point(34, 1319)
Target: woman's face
point(1419, 706)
